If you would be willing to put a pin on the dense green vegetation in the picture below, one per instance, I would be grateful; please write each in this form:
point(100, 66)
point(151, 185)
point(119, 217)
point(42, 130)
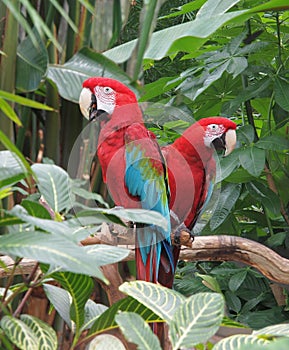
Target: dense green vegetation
point(192, 59)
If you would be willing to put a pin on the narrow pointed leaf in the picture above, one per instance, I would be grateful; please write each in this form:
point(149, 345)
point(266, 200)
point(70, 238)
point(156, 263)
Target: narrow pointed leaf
point(162, 301)
point(46, 336)
point(137, 331)
point(24, 101)
point(9, 112)
point(196, 320)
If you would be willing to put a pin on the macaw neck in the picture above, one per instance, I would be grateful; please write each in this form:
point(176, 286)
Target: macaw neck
point(191, 144)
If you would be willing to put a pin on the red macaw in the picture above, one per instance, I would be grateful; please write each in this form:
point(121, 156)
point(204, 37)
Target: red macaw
point(132, 166)
point(192, 168)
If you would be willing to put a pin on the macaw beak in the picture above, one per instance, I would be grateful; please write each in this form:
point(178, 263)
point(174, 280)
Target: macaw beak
point(230, 141)
point(89, 107)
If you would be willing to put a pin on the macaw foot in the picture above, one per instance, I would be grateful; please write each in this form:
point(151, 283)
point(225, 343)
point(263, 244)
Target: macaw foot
point(178, 234)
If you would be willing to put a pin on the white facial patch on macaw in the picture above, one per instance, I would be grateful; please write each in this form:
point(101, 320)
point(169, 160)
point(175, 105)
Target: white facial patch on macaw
point(105, 97)
point(212, 132)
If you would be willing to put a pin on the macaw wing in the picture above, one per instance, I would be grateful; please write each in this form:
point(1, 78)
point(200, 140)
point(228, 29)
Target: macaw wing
point(145, 173)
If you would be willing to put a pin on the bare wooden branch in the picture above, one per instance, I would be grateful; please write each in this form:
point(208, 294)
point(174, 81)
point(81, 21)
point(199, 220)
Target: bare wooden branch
point(204, 248)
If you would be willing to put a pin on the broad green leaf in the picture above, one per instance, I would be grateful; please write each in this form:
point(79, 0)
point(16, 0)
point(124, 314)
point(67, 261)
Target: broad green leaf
point(274, 143)
point(61, 300)
point(281, 92)
point(11, 147)
point(83, 65)
point(9, 112)
point(81, 192)
point(196, 320)
point(105, 342)
point(54, 185)
point(92, 312)
point(227, 165)
point(236, 342)
point(11, 169)
point(245, 134)
point(240, 175)
point(162, 301)
point(276, 330)
point(137, 331)
point(24, 101)
point(19, 333)
point(264, 195)
point(276, 344)
point(252, 159)
point(226, 201)
point(51, 249)
point(106, 320)
point(31, 63)
point(80, 288)
point(46, 336)
point(213, 8)
point(35, 209)
point(210, 282)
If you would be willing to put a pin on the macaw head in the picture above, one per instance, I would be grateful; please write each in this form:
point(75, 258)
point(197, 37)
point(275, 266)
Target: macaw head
point(100, 96)
point(219, 133)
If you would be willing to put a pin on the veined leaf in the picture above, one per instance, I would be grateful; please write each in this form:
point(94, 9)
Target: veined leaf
point(24, 101)
point(281, 92)
point(46, 336)
point(106, 320)
point(236, 342)
point(274, 143)
point(105, 341)
point(19, 333)
point(11, 169)
point(137, 331)
point(54, 185)
point(196, 320)
point(51, 249)
point(276, 330)
point(92, 312)
point(162, 301)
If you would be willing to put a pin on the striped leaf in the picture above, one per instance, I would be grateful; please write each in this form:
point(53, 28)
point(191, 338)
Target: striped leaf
point(46, 336)
point(162, 301)
point(137, 331)
point(196, 320)
point(275, 330)
point(19, 333)
point(106, 320)
point(237, 342)
point(105, 342)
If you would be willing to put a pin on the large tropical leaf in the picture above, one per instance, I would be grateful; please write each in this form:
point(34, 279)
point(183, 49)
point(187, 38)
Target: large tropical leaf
point(45, 335)
point(137, 331)
point(54, 185)
point(107, 321)
point(11, 169)
point(237, 342)
point(253, 160)
point(84, 64)
point(19, 333)
point(196, 320)
point(162, 301)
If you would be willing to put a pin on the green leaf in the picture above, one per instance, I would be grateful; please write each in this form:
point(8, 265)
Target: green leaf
point(9, 111)
point(227, 165)
point(264, 195)
point(106, 320)
point(46, 336)
point(252, 159)
point(19, 333)
point(236, 280)
point(83, 65)
point(51, 249)
point(237, 341)
point(104, 342)
point(281, 92)
point(11, 169)
point(80, 288)
point(31, 64)
point(24, 101)
point(81, 192)
point(92, 312)
point(276, 330)
point(54, 185)
point(61, 300)
point(137, 331)
point(35, 209)
point(226, 201)
point(274, 143)
point(196, 320)
point(246, 134)
point(162, 301)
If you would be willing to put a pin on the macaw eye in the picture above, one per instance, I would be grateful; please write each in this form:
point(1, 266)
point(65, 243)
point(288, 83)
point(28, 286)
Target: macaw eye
point(107, 90)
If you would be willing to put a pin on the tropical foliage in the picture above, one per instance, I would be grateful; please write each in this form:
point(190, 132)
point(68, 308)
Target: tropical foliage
point(185, 60)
